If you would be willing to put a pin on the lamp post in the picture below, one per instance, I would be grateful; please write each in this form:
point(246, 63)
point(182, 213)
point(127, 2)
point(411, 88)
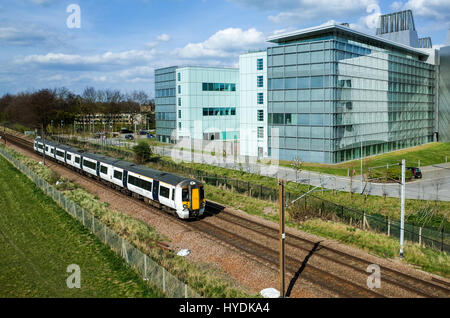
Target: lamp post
point(402, 211)
point(282, 237)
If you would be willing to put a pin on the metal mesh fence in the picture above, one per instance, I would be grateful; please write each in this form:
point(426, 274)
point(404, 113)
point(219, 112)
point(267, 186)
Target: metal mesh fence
point(156, 275)
point(425, 236)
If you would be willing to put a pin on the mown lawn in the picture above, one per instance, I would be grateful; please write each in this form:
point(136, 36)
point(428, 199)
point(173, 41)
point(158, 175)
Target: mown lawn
point(39, 240)
point(428, 154)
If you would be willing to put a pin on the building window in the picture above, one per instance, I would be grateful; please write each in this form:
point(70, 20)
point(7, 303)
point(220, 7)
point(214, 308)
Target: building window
point(260, 99)
point(179, 125)
point(179, 113)
point(260, 115)
point(179, 89)
point(179, 77)
point(219, 87)
point(219, 111)
point(179, 101)
point(260, 81)
point(260, 132)
point(259, 64)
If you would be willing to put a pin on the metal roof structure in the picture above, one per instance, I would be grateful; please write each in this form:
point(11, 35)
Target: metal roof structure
point(327, 29)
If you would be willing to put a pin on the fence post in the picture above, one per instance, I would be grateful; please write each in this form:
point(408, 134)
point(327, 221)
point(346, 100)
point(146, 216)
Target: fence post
point(364, 220)
point(185, 291)
point(83, 215)
point(420, 236)
point(442, 240)
point(104, 226)
point(164, 280)
point(145, 266)
point(389, 227)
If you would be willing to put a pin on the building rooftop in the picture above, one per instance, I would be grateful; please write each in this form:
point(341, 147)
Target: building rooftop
point(326, 29)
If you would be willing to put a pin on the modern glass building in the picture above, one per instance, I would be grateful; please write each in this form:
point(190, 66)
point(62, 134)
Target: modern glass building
point(253, 104)
point(207, 103)
point(326, 94)
point(444, 92)
point(165, 104)
point(334, 92)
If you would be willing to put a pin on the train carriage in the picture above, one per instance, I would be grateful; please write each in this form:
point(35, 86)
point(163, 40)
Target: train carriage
point(73, 157)
point(182, 196)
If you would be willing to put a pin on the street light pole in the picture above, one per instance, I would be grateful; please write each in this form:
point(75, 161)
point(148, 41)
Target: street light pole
point(361, 166)
point(282, 237)
point(402, 212)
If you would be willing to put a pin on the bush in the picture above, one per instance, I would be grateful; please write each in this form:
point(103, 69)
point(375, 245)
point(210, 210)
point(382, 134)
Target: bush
point(142, 152)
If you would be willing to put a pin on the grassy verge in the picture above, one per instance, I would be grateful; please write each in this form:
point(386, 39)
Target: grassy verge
point(206, 282)
point(428, 154)
point(382, 245)
point(39, 240)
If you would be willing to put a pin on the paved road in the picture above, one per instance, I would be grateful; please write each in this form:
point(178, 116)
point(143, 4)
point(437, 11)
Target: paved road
point(435, 184)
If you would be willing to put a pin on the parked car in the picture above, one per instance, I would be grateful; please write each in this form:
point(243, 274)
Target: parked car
point(129, 137)
point(125, 131)
point(143, 132)
point(415, 172)
point(150, 136)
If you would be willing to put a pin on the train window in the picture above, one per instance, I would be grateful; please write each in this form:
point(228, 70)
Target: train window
point(53, 151)
point(117, 175)
point(132, 180)
point(173, 194)
point(146, 185)
point(185, 195)
point(89, 164)
point(46, 148)
point(59, 153)
point(164, 192)
point(69, 157)
point(104, 169)
point(77, 159)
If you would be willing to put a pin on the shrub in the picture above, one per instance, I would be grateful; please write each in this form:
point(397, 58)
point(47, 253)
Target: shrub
point(142, 152)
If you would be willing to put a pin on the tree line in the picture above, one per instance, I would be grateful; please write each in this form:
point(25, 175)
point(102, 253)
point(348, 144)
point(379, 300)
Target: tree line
point(33, 109)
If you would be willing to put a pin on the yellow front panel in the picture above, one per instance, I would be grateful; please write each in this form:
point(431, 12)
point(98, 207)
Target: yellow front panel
point(195, 199)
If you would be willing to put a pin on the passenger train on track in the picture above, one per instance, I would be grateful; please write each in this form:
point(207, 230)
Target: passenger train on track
point(175, 194)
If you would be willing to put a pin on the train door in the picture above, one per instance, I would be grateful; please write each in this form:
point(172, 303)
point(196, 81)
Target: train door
point(195, 198)
point(125, 179)
point(98, 169)
point(155, 190)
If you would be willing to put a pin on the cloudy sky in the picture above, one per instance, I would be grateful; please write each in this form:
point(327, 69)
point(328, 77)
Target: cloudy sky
point(119, 43)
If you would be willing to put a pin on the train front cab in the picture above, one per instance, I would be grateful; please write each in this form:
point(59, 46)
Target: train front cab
point(193, 197)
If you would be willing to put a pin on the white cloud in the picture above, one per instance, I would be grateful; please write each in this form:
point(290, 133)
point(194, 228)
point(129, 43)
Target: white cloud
point(164, 37)
point(224, 43)
point(24, 36)
point(368, 23)
point(301, 11)
point(126, 57)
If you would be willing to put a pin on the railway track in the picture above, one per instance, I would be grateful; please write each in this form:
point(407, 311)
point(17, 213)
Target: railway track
point(300, 251)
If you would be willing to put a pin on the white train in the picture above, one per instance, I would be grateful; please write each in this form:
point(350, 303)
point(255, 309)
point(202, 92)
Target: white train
point(182, 196)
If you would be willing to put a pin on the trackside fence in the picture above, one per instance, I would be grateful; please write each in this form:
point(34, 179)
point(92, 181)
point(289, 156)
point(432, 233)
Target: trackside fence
point(155, 275)
point(311, 204)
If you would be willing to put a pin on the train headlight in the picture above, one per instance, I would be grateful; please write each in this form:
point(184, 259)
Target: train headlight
point(185, 206)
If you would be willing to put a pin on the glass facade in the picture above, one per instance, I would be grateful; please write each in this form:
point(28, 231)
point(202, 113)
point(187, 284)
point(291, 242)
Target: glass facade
point(444, 95)
point(165, 104)
point(330, 94)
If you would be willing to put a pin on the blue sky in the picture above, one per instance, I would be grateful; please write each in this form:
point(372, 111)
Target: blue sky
point(121, 42)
